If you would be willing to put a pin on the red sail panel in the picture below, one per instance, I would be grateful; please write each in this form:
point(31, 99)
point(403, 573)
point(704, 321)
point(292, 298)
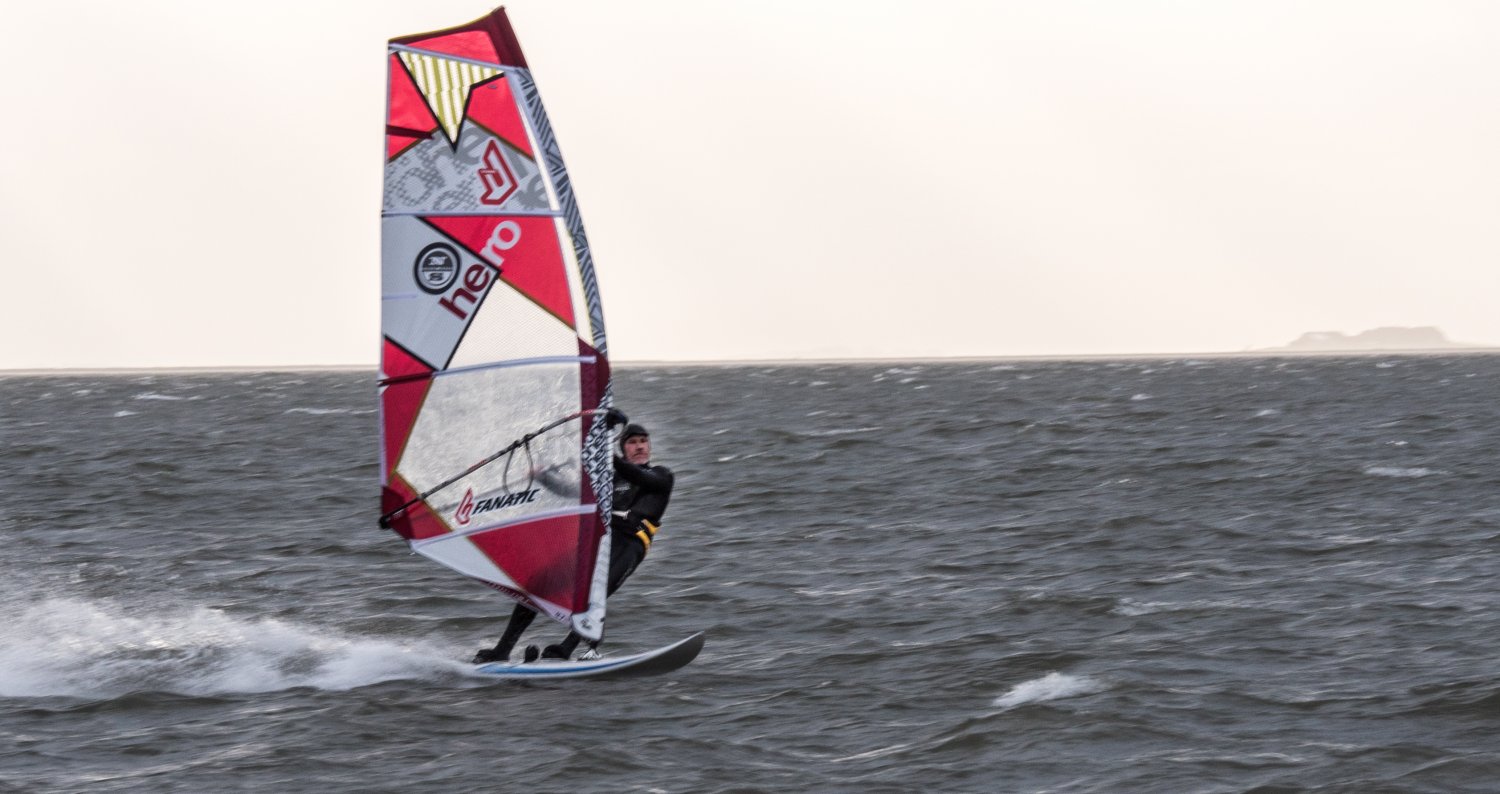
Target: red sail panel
point(494, 107)
point(408, 119)
point(417, 521)
point(408, 381)
point(526, 250)
point(489, 39)
point(543, 557)
point(407, 109)
point(398, 365)
point(399, 404)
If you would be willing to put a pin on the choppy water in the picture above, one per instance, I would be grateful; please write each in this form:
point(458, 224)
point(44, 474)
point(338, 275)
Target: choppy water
point(1270, 575)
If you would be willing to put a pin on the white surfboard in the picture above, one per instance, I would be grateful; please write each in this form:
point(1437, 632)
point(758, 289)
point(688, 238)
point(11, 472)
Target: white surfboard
point(661, 660)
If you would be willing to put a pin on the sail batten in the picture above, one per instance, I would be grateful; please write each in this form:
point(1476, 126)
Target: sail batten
point(523, 362)
point(494, 364)
point(417, 545)
point(458, 59)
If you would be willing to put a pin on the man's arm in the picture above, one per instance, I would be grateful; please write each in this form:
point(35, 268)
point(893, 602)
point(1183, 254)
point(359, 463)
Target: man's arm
point(553, 479)
point(650, 478)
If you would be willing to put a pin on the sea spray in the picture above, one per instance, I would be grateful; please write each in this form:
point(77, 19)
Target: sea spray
point(71, 647)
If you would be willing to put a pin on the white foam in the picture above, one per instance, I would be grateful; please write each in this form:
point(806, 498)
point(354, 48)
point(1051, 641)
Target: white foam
point(877, 753)
point(1051, 686)
point(1397, 471)
point(841, 431)
point(1139, 397)
point(121, 414)
point(151, 395)
point(746, 456)
point(318, 411)
point(1131, 608)
point(68, 647)
point(835, 592)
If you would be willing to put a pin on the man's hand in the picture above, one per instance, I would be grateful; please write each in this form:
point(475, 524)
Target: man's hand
point(614, 417)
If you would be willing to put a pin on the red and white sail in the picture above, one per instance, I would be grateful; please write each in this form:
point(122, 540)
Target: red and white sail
point(492, 331)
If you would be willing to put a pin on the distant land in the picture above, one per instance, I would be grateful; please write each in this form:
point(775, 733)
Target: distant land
point(1388, 338)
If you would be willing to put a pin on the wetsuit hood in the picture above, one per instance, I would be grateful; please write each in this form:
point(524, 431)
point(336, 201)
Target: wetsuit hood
point(632, 429)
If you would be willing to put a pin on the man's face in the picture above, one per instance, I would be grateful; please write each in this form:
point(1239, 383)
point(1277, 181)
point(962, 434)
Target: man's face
point(638, 450)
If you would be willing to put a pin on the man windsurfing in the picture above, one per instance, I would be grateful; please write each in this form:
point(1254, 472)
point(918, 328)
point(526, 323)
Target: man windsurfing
point(642, 491)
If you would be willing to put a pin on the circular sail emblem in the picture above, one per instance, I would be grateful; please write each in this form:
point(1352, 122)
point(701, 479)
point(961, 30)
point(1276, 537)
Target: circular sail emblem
point(436, 268)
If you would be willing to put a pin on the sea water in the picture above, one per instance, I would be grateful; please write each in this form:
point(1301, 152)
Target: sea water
point(1217, 575)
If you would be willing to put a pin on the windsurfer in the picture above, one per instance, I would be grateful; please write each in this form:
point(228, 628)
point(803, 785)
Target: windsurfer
point(642, 491)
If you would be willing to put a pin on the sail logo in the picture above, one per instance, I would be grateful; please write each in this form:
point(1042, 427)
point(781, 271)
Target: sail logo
point(504, 237)
point(468, 508)
point(465, 508)
point(478, 277)
point(509, 500)
point(499, 181)
point(436, 268)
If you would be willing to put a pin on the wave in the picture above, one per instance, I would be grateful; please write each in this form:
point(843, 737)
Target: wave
point(1051, 686)
point(1399, 471)
point(1132, 608)
point(839, 431)
point(151, 395)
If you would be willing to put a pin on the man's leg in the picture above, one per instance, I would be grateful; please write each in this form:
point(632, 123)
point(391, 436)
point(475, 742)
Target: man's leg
point(622, 563)
point(520, 620)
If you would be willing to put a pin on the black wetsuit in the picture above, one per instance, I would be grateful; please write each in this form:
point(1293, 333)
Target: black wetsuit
point(640, 500)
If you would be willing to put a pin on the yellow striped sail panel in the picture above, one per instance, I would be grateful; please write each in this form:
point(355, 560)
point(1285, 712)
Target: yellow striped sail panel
point(446, 84)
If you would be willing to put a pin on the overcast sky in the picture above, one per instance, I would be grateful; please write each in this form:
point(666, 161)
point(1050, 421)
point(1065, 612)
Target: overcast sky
point(195, 184)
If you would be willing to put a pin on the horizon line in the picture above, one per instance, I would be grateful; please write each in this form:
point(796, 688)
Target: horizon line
point(738, 362)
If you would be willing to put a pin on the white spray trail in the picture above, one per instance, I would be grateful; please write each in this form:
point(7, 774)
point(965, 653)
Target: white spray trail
point(68, 647)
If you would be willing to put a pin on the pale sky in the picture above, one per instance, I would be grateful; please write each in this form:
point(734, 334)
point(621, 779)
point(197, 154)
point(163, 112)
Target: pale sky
point(186, 183)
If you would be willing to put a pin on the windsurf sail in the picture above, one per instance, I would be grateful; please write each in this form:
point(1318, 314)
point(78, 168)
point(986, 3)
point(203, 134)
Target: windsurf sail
point(494, 381)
